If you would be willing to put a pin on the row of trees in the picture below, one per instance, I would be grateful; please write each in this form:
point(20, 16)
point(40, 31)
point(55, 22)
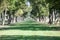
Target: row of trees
point(49, 8)
point(40, 8)
point(54, 10)
point(11, 7)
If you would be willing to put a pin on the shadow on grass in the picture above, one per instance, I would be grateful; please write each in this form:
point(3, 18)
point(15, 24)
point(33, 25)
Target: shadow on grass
point(35, 27)
point(29, 38)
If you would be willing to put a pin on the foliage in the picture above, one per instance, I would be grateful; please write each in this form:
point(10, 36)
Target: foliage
point(53, 3)
point(40, 7)
point(19, 12)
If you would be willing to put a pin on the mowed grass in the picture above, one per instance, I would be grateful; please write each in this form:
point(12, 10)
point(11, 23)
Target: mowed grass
point(31, 25)
point(30, 30)
point(29, 33)
point(16, 37)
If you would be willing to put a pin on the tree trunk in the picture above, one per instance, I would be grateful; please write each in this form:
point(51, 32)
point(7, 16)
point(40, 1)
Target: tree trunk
point(53, 16)
point(39, 16)
point(3, 17)
point(9, 20)
point(14, 18)
point(50, 16)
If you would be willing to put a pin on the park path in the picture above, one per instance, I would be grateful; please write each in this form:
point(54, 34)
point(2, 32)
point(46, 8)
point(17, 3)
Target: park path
point(30, 33)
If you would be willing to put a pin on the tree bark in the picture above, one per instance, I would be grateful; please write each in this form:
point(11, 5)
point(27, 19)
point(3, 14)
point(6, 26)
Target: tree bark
point(50, 16)
point(3, 20)
point(9, 20)
point(53, 15)
point(3, 16)
point(39, 16)
point(14, 18)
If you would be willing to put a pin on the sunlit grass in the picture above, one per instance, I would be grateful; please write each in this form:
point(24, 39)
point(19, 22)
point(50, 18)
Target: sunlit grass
point(30, 30)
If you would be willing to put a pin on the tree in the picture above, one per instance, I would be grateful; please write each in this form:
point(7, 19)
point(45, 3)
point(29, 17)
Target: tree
point(12, 6)
point(4, 5)
point(39, 8)
point(53, 7)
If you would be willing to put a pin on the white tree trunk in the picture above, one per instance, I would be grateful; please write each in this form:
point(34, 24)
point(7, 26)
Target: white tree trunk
point(14, 20)
point(3, 17)
point(53, 16)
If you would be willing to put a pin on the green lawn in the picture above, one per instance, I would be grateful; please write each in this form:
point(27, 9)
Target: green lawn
point(31, 35)
point(29, 38)
point(30, 30)
point(31, 25)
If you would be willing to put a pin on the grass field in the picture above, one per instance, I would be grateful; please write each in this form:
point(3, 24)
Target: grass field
point(30, 30)
point(29, 35)
point(33, 27)
point(17, 37)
